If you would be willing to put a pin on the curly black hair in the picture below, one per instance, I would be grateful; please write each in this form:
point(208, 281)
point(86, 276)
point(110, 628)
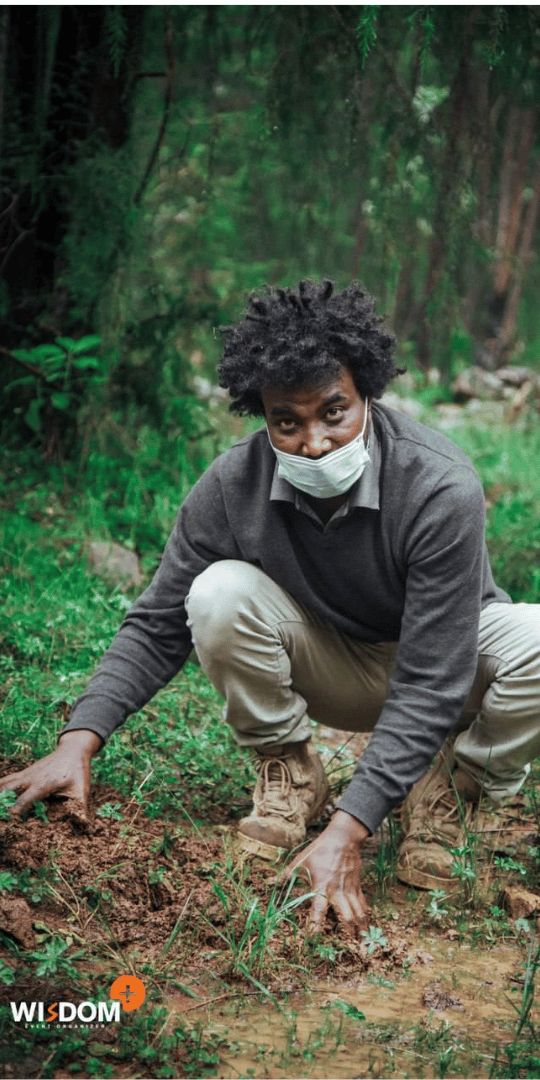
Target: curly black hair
point(297, 337)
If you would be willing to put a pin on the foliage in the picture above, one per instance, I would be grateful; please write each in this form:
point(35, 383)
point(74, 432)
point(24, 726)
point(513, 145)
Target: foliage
point(151, 182)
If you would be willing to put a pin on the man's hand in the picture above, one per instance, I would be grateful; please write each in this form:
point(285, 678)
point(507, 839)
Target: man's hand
point(333, 866)
point(64, 772)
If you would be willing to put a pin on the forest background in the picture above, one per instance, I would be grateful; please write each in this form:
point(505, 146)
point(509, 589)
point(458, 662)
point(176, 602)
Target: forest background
point(157, 165)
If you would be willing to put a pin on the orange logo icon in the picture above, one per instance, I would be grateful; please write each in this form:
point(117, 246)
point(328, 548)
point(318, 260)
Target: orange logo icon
point(130, 990)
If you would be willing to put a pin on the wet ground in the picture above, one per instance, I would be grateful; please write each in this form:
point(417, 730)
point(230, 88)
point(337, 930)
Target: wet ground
point(428, 995)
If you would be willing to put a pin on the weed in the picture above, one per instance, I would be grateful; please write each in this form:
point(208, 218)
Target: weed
point(464, 866)
point(51, 959)
point(111, 811)
point(510, 865)
point(251, 944)
point(374, 938)
point(387, 853)
point(435, 908)
point(7, 798)
point(7, 974)
point(8, 881)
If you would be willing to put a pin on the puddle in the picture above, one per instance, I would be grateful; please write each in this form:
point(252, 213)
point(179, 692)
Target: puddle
point(446, 1016)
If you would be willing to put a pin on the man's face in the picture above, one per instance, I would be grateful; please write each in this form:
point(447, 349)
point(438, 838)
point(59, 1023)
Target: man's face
point(314, 420)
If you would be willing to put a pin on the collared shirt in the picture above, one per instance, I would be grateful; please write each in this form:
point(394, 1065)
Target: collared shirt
point(364, 493)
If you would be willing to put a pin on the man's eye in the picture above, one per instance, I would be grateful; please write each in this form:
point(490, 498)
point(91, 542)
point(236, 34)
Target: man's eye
point(335, 412)
point(286, 425)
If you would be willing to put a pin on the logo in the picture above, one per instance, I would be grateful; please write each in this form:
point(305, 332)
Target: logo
point(130, 990)
point(127, 991)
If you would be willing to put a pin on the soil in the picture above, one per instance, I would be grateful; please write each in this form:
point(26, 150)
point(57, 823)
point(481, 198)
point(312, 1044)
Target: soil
point(122, 888)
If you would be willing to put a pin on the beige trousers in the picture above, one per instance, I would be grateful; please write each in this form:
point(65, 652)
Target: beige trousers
point(278, 665)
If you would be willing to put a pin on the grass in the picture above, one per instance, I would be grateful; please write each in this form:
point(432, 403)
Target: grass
point(177, 764)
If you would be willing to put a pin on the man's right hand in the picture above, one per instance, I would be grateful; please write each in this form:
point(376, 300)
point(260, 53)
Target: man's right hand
point(66, 772)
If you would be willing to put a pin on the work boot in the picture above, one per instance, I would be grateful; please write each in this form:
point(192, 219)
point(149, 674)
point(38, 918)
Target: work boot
point(290, 793)
point(435, 819)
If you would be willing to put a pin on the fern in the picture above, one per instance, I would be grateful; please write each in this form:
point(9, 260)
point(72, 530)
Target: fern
point(114, 25)
point(366, 31)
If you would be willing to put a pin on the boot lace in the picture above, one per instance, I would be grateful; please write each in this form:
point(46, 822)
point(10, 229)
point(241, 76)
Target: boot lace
point(274, 792)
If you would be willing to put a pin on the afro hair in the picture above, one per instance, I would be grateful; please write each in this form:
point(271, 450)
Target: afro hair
point(303, 336)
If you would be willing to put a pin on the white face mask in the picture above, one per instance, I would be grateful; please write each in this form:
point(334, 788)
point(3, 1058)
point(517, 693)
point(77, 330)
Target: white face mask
point(327, 476)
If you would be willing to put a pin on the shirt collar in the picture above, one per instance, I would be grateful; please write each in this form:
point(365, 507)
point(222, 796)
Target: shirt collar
point(364, 493)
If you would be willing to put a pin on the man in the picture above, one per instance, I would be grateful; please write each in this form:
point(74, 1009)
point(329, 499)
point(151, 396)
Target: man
point(331, 566)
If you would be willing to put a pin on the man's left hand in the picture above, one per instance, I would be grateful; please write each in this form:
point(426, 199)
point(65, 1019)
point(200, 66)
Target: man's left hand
point(333, 866)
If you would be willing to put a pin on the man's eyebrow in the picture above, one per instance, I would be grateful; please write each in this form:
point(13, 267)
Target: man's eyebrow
point(287, 410)
point(334, 399)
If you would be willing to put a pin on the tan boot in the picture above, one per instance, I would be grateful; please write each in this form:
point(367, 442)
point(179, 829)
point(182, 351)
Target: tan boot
point(434, 820)
point(290, 793)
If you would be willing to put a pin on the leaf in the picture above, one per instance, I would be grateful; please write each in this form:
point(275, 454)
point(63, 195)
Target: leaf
point(32, 416)
point(26, 380)
point(61, 401)
point(86, 362)
point(85, 344)
point(45, 352)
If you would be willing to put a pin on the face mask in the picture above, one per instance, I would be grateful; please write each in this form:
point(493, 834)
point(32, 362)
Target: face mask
point(327, 476)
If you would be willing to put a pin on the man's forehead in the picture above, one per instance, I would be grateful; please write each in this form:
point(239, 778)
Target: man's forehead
point(320, 389)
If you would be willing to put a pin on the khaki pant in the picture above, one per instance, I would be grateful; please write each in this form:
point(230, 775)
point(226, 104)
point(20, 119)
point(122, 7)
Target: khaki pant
point(277, 665)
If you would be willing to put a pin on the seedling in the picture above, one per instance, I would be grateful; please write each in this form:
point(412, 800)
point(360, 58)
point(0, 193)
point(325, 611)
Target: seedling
point(7, 798)
point(435, 908)
point(374, 938)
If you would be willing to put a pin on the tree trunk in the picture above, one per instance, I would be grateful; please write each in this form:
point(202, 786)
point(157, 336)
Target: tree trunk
point(514, 236)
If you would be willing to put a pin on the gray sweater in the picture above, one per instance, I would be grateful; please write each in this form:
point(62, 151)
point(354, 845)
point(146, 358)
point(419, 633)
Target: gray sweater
point(406, 562)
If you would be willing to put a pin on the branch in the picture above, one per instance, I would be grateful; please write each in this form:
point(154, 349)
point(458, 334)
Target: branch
point(168, 46)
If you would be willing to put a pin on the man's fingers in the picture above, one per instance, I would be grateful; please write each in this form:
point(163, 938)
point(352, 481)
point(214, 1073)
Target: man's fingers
point(297, 868)
point(13, 782)
point(317, 914)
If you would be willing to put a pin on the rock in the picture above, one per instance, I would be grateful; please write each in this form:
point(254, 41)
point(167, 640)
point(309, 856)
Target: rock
point(485, 412)
point(408, 406)
point(475, 382)
point(115, 563)
point(515, 376)
point(519, 903)
point(435, 997)
point(449, 416)
point(16, 920)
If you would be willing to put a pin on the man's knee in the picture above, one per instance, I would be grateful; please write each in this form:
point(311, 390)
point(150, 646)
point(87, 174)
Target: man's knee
point(218, 595)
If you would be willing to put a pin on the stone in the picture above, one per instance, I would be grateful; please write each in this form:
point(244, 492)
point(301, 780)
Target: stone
point(115, 563)
point(519, 903)
point(475, 382)
point(515, 376)
point(16, 920)
point(408, 406)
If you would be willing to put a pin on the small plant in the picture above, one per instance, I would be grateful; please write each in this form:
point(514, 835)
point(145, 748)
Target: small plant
point(464, 867)
point(51, 959)
point(7, 974)
point(510, 865)
point(7, 798)
point(40, 811)
point(8, 881)
point(155, 877)
point(435, 908)
point(57, 378)
point(374, 938)
point(111, 811)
